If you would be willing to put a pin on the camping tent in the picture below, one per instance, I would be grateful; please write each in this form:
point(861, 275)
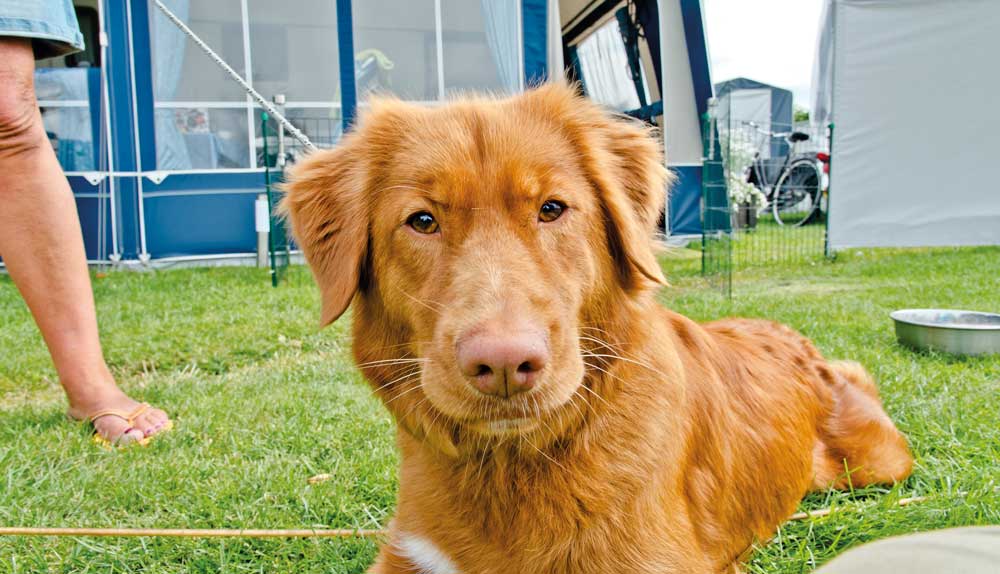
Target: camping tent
point(743, 101)
point(906, 82)
point(667, 80)
point(165, 153)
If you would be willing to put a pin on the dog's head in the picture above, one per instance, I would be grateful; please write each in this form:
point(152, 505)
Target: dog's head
point(480, 241)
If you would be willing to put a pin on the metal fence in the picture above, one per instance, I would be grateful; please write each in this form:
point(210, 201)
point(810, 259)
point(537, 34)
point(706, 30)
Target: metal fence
point(765, 195)
point(276, 151)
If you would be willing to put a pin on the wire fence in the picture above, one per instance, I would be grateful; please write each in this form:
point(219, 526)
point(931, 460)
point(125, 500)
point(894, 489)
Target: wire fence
point(765, 193)
point(276, 151)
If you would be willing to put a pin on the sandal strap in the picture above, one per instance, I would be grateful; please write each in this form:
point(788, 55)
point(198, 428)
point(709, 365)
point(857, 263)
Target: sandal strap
point(128, 417)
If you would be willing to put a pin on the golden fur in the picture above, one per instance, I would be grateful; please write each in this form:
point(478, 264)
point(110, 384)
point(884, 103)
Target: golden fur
point(651, 444)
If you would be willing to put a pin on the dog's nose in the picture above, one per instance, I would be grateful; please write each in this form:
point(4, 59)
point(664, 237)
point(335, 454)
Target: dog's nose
point(502, 363)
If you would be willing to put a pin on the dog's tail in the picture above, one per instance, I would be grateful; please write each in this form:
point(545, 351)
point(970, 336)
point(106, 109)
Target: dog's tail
point(859, 445)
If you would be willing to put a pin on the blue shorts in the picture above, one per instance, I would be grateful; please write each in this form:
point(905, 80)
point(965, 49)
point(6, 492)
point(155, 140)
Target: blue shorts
point(50, 24)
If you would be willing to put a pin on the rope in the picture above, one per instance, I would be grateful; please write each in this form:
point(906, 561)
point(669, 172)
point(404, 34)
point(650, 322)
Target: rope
point(826, 511)
point(294, 131)
point(190, 532)
point(300, 533)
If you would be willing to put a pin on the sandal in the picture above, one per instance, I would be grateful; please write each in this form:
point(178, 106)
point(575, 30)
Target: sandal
point(129, 418)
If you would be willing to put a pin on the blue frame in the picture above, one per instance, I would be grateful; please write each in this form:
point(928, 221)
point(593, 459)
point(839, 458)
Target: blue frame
point(534, 37)
point(88, 202)
point(96, 115)
point(345, 39)
point(142, 44)
point(685, 200)
point(122, 127)
point(694, 34)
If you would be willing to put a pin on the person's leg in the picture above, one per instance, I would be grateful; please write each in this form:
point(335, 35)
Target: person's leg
point(971, 550)
point(42, 246)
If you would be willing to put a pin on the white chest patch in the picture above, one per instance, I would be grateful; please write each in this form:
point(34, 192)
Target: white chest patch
point(424, 555)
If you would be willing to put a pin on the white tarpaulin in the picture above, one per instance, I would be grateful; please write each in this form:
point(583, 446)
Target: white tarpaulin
point(681, 123)
point(740, 110)
point(915, 145)
point(605, 68)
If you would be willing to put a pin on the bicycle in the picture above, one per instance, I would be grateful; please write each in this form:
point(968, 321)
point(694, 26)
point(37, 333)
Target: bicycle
point(795, 198)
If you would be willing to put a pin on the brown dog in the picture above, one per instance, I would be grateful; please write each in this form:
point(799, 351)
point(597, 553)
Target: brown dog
point(552, 418)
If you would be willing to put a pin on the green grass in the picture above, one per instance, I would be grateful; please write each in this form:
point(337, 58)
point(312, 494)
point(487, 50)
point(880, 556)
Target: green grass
point(263, 401)
point(768, 243)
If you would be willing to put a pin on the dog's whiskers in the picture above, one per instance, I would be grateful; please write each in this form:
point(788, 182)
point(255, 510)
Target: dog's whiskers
point(604, 370)
point(431, 426)
point(426, 304)
point(601, 331)
point(616, 349)
point(597, 329)
point(541, 418)
point(602, 343)
point(483, 453)
point(627, 360)
point(541, 452)
point(414, 372)
point(577, 393)
point(351, 339)
point(401, 394)
point(415, 406)
point(386, 362)
point(592, 391)
point(398, 345)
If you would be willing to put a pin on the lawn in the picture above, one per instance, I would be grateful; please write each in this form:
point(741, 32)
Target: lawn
point(263, 401)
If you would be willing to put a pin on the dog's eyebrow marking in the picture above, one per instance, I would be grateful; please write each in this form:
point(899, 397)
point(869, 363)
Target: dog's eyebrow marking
point(425, 193)
point(410, 187)
point(424, 555)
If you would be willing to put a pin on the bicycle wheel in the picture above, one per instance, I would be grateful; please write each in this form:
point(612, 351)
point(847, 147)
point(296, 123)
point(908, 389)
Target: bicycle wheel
point(796, 194)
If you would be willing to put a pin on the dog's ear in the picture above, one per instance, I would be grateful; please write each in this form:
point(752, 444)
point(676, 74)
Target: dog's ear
point(630, 240)
point(328, 202)
point(326, 205)
point(634, 198)
point(624, 162)
point(638, 165)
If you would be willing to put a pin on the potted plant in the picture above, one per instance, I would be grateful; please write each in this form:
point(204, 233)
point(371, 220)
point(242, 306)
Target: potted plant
point(745, 200)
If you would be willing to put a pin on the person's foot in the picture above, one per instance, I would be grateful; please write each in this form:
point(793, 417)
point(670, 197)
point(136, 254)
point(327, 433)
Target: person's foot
point(115, 426)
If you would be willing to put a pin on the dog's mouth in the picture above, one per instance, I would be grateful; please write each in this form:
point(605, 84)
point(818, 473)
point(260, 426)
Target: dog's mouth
point(492, 417)
point(457, 397)
point(505, 427)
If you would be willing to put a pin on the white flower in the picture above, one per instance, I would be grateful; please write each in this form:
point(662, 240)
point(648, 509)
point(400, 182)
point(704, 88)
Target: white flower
point(739, 154)
point(743, 193)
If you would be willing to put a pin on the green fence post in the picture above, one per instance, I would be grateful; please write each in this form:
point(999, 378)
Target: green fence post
point(826, 223)
point(278, 237)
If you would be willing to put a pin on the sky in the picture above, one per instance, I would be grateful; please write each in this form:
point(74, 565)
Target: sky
point(771, 41)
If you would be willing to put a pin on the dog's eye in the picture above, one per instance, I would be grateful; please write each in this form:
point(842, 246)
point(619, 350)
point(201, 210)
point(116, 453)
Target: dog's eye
point(551, 210)
point(423, 222)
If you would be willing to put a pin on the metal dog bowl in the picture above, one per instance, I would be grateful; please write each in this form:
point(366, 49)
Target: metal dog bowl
point(948, 330)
